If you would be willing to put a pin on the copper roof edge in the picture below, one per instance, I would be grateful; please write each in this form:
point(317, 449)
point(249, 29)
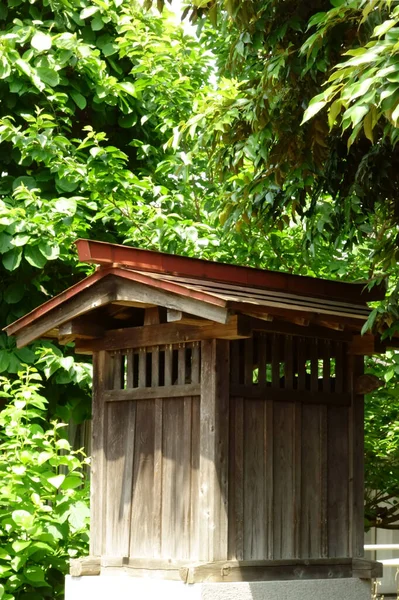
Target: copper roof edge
point(105, 253)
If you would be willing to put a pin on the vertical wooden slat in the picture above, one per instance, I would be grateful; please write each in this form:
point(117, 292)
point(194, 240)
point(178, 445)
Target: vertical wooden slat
point(168, 365)
point(181, 365)
point(297, 477)
point(262, 341)
point(338, 482)
point(214, 450)
point(236, 479)
point(283, 481)
point(185, 457)
point(101, 368)
point(255, 534)
point(119, 454)
point(288, 362)
point(142, 520)
point(236, 469)
point(195, 459)
point(269, 475)
point(248, 361)
point(313, 481)
point(195, 363)
point(356, 472)
point(142, 368)
point(324, 467)
point(326, 367)
point(158, 438)
point(129, 369)
point(172, 501)
point(339, 367)
point(276, 344)
point(314, 366)
point(117, 371)
point(301, 363)
point(155, 367)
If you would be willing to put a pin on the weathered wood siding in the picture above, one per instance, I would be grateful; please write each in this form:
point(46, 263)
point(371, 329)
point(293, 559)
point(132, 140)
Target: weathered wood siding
point(245, 450)
point(149, 456)
point(292, 491)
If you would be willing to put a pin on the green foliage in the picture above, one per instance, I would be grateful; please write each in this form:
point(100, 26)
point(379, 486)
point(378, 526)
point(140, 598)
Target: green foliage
point(43, 496)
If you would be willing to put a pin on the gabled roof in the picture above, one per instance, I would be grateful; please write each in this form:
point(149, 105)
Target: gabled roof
point(206, 289)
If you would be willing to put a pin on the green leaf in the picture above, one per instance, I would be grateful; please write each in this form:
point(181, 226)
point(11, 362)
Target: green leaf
point(2, 590)
point(14, 293)
point(56, 480)
point(97, 23)
point(79, 100)
point(48, 76)
point(28, 182)
point(129, 88)
point(71, 482)
point(41, 42)
point(312, 110)
point(35, 257)
point(23, 519)
point(384, 27)
point(35, 574)
point(89, 12)
point(12, 259)
point(4, 360)
point(20, 545)
point(67, 206)
point(50, 251)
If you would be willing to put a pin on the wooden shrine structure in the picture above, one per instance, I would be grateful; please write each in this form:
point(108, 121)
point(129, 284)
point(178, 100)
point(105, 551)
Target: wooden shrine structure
point(227, 433)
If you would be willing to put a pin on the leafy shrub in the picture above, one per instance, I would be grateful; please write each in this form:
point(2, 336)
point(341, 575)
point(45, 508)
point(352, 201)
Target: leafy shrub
point(43, 495)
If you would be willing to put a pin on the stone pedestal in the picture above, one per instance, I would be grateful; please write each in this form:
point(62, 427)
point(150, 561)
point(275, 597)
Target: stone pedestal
point(123, 587)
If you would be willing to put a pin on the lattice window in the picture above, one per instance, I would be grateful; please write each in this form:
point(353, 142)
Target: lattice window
point(157, 366)
point(289, 363)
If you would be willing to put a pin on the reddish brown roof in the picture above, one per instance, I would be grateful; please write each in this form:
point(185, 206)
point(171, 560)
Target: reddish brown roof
point(103, 253)
point(226, 286)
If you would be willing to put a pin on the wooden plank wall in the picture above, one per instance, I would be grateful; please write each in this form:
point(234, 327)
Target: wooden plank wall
point(149, 459)
point(290, 466)
point(269, 470)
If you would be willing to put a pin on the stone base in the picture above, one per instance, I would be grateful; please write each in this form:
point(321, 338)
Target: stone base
point(123, 587)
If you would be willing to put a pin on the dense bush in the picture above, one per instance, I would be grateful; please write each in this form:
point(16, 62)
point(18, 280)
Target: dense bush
point(43, 495)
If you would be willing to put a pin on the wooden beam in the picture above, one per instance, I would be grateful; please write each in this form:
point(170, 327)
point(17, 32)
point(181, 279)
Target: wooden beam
point(174, 316)
point(151, 393)
point(306, 397)
point(209, 308)
point(99, 294)
point(89, 565)
point(305, 330)
point(367, 345)
point(214, 450)
point(81, 328)
point(151, 316)
point(288, 315)
point(166, 333)
point(280, 570)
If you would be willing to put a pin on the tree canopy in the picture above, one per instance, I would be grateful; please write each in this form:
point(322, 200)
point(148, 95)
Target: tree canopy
point(236, 146)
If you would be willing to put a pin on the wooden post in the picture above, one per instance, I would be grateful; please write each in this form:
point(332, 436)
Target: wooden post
point(356, 468)
point(101, 374)
point(214, 447)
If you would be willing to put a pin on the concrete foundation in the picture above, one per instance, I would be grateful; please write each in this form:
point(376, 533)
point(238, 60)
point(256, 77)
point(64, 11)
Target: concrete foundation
point(123, 587)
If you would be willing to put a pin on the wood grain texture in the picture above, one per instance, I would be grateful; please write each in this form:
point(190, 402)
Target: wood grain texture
point(215, 359)
point(101, 380)
point(255, 510)
point(356, 469)
point(119, 477)
point(142, 521)
point(283, 480)
point(338, 482)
